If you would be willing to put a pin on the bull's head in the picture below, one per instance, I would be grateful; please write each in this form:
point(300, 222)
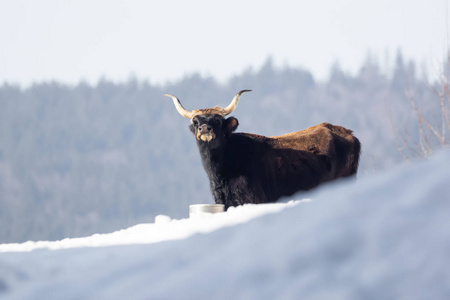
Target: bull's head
point(208, 124)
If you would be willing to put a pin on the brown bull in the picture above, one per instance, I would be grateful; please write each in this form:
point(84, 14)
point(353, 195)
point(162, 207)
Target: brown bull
point(249, 168)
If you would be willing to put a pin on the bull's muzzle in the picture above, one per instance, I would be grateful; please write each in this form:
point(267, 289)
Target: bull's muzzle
point(205, 133)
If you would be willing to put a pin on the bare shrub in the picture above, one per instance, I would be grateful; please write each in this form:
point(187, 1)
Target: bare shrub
point(431, 130)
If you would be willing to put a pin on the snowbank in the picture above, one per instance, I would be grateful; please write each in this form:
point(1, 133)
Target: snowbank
point(164, 229)
point(383, 237)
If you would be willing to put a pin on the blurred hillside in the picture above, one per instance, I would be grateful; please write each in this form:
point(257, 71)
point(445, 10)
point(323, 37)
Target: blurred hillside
point(78, 160)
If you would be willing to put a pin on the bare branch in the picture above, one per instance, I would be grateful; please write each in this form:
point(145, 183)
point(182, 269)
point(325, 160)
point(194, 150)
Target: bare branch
point(432, 120)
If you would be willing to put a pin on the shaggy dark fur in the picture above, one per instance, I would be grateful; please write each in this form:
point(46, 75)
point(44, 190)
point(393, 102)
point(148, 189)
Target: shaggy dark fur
point(248, 168)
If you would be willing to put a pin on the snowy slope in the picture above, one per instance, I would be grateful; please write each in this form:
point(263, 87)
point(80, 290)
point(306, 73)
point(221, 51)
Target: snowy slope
point(380, 237)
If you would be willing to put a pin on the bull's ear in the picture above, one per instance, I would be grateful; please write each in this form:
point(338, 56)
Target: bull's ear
point(231, 124)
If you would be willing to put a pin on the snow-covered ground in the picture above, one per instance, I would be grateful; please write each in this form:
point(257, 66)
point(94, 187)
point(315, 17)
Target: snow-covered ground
point(163, 229)
point(385, 236)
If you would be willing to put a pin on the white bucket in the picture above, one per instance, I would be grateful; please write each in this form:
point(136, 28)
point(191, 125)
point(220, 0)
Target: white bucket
point(199, 210)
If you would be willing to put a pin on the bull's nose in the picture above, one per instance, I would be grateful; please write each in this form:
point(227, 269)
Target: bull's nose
point(204, 128)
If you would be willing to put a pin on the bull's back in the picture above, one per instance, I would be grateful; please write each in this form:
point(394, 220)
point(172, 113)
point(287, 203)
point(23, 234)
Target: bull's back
point(336, 143)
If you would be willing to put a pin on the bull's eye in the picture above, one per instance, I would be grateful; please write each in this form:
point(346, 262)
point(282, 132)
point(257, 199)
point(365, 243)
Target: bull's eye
point(195, 122)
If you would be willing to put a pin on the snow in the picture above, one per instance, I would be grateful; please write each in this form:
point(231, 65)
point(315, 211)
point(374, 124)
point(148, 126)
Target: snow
point(164, 229)
point(384, 236)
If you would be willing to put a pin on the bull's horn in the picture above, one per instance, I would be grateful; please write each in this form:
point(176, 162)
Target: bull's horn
point(230, 108)
point(183, 111)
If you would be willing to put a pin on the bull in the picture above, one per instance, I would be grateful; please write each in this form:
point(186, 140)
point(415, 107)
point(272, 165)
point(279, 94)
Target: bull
point(250, 168)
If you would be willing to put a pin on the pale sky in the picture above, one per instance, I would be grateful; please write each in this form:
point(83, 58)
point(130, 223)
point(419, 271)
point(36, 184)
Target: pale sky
point(76, 40)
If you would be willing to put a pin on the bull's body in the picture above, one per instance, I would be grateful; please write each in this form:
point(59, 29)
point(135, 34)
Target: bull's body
point(251, 168)
point(248, 168)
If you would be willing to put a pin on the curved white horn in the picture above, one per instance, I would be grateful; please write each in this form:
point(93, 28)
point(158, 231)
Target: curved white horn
point(183, 111)
point(230, 108)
